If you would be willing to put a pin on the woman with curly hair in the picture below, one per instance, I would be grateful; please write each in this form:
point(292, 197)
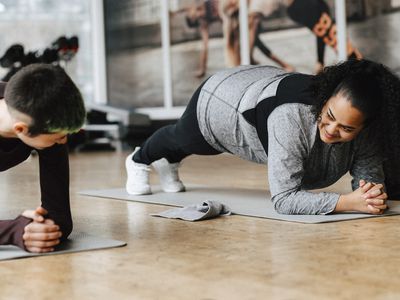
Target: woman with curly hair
point(309, 129)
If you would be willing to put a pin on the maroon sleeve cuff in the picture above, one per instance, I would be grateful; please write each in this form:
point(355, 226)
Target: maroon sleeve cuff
point(11, 231)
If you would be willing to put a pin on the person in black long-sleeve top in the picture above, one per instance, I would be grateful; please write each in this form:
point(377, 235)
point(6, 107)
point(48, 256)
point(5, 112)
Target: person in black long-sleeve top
point(316, 16)
point(39, 107)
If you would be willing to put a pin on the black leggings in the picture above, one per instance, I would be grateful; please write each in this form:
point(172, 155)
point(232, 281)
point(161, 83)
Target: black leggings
point(175, 142)
point(258, 43)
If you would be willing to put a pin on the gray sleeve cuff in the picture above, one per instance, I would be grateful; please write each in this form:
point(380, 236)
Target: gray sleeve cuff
point(305, 203)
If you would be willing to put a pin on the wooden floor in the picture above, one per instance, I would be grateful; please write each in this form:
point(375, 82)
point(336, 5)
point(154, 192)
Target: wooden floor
point(227, 258)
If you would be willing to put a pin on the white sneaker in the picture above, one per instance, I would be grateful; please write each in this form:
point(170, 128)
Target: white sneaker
point(169, 178)
point(137, 182)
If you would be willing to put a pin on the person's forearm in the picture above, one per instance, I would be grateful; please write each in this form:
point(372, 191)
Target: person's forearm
point(54, 183)
point(305, 203)
point(11, 231)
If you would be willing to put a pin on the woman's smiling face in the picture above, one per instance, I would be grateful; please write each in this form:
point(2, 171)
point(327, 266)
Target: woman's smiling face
point(339, 121)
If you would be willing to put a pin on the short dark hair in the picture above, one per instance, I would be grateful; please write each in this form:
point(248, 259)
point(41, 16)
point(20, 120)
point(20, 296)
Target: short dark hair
point(48, 95)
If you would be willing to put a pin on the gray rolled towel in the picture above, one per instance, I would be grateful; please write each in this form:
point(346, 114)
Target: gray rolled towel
point(197, 212)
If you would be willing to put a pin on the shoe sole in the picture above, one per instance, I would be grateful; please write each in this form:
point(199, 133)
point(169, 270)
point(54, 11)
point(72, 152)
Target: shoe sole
point(138, 194)
point(174, 191)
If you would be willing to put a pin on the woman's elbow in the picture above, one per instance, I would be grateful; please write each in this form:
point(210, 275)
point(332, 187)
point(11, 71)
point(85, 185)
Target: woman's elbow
point(281, 207)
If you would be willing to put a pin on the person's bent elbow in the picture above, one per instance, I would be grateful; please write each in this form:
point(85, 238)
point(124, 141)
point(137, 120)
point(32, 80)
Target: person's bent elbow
point(281, 207)
point(66, 229)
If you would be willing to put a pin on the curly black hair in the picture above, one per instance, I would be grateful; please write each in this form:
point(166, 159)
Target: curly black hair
point(374, 90)
point(356, 80)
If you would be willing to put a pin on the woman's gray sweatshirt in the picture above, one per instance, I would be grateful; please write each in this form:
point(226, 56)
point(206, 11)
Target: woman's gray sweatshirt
point(262, 114)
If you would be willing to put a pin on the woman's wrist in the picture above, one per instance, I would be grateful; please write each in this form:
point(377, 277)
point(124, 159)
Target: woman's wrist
point(344, 203)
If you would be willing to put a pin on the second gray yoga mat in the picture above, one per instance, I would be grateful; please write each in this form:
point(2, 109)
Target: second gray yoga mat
point(247, 202)
point(77, 242)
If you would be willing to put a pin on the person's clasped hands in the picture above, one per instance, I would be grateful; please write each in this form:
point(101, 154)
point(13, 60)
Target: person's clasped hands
point(42, 234)
point(374, 197)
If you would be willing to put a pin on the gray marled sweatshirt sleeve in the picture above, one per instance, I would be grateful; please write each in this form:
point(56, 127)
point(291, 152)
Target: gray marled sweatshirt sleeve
point(289, 145)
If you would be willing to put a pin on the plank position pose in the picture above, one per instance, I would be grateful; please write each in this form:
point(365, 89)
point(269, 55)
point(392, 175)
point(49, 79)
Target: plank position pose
point(203, 15)
point(39, 106)
point(229, 12)
point(309, 129)
point(314, 14)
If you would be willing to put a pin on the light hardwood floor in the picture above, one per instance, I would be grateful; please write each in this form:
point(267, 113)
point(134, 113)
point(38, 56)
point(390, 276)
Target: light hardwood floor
point(226, 258)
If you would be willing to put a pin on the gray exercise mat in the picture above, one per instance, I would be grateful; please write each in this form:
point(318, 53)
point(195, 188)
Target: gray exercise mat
point(77, 242)
point(246, 202)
